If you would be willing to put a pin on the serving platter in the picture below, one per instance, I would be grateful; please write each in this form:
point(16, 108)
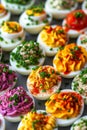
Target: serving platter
point(66, 83)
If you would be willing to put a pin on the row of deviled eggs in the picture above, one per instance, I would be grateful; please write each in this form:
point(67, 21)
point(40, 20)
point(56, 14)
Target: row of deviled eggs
point(43, 89)
point(18, 102)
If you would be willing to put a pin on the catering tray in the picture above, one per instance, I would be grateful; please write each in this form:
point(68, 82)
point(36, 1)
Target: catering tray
point(66, 83)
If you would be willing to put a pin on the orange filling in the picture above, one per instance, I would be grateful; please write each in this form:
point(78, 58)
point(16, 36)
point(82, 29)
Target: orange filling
point(71, 58)
point(37, 121)
point(43, 79)
point(54, 36)
point(11, 27)
point(64, 105)
point(2, 9)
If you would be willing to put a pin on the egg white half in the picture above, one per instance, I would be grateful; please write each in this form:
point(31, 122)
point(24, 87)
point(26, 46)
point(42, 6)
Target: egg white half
point(2, 126)
point(79, 41)
point(16, 8)
point(23, 70)
point(32, 29)
point(78, 121)
point(71, 74)
point(38, 111)
point(18, 118)
point(68, 122)
point(58, 14)
point(50, 51)
point(7, 43)
point(73, 33)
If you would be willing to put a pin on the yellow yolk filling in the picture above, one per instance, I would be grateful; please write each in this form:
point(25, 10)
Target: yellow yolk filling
point(71, 58)
point(37, 121)
point(43, 78)
point(54, 37)
point(64, 105)
point(11, 27)
point(34, 12)
point(2, 9)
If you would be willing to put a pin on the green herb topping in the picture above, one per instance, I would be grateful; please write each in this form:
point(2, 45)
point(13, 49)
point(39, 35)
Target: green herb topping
point(27, 54)
point(78, 15)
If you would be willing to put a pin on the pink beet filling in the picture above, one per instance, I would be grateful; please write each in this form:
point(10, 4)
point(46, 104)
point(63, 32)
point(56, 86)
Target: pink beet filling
point(15, 102)
point(7, 77)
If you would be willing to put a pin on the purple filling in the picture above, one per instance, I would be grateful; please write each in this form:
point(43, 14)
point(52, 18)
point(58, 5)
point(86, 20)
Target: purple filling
point(15, 102)
point(7, 77)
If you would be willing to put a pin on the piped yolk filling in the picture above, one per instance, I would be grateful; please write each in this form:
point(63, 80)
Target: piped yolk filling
point(35, 12)
point(71, 58)
point(43, 79)
point(54, 37)
point(11, 27)
point(64, 105)
point(37, 121)
point(2, 9)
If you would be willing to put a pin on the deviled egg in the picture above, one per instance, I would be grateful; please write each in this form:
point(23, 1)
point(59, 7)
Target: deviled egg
point(2, 122)
point(11, 35)
point(43, 82)
point(79, 84)
point(66, 105)
point(15, 103)
point(27, 56)
point(17, 6)
point(4, 14)
point(8, 78)
point(70, 60)
point(82, 40)
point(60, 8)
point(75, 23)
point(52, 38)
point(80, 124)
point(38, 120)
point(34, 19)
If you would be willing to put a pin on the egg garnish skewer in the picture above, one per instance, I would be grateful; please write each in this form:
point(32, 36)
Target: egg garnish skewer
point(75, 23)
point(70, 60)
point(52, 38)
point(17, 102)
point(43, 82)
point(17, 6)
point(79, 84)
point(80, 124)
point(60, 8)
point(27, 56)
point(8, 78)
point(38, 119)
point(11, 35)
point(34, 19)
point(67, 106)
point(4, 14)
point(2, 122)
